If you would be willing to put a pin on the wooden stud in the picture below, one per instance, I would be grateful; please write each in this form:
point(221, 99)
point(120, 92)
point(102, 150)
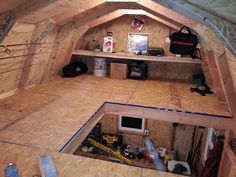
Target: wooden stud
point(39, 34)
point(205, 69)
point(78, 33)
point(226, 80)
point(209, 58)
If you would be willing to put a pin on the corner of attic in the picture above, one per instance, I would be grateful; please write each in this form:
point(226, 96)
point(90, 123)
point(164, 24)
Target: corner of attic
point(44, 113)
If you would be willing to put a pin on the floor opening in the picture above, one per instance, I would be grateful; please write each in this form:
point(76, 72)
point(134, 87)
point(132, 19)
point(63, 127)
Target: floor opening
point(148, 143)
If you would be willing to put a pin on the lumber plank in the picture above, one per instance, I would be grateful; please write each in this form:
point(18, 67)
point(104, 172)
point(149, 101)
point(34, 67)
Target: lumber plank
point(136, 57)
point(40, 32)
point(227, 82)
point(212, 66)
point(79, 8)
point(30, 7)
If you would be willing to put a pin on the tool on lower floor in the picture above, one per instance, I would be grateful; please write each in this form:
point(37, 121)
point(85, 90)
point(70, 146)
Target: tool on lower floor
point(109, 150)
point(154, 155)
point(47, 167)
point(112, 140)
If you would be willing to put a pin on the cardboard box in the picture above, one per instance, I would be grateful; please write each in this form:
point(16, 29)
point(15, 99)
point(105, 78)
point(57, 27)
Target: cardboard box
point(118, 71)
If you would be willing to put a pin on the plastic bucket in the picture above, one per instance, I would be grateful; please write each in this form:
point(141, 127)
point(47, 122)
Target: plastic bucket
point(100, 67)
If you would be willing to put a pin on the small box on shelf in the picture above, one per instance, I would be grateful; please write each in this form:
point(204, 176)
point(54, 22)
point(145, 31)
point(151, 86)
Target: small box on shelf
point(118, 71)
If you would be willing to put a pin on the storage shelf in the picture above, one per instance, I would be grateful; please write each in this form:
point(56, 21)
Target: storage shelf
point(136, 57)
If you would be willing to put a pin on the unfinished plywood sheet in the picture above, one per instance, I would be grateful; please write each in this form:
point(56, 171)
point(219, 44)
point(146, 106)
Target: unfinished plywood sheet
point(26, 159)
point(121, 27)
point(20, 105)
point(57, 109)
point(153, 173)
point(232, 66)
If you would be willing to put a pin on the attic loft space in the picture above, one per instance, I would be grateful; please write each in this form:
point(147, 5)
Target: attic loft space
point(70, 69)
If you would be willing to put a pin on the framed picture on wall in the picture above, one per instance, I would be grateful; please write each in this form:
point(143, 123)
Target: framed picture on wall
point(137, 43)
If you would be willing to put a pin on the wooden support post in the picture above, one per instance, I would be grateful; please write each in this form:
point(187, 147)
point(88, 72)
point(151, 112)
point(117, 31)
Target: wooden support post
point(7, 21)
point(227, 82)
point(40, 32)
point(205, 69)
point(209, 59)
point(78, 33)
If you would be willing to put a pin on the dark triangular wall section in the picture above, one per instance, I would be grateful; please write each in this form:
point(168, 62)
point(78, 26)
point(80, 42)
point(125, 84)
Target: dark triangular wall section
point(224, 29)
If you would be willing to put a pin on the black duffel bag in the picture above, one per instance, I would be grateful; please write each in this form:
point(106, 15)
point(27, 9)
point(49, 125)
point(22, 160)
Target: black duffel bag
point(74, 69)
point(183, 43)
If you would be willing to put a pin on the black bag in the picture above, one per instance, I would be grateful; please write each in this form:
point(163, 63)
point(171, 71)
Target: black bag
point(74, 69)
point(183, 43)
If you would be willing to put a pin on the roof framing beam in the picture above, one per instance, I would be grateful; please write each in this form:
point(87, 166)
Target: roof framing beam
point(77, 11)
point(31, 6)
point(225, 30)
point(120, 12)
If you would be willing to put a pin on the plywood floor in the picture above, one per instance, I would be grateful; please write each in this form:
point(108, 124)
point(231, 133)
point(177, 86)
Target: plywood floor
point(49, 114)
point(46, 116)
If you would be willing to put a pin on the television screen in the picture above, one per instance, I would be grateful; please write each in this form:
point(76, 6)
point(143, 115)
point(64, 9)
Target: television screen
point(131, 124)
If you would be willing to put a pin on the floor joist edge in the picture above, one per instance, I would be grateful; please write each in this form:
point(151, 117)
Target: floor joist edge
point(175, 116)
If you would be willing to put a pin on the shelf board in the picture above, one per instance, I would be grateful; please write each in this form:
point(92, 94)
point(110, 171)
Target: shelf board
point(136, 57)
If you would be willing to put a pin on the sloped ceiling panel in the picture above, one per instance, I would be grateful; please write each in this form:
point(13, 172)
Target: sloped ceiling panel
point(6, 5)
point(222, 8)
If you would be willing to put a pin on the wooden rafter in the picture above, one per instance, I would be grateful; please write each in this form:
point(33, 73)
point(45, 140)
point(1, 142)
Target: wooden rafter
point(95, 13)
point(77, 11)
point(227, 83)
point(40, 32)
point(31, 7)
point(165, 13)
point(106, 18)
point(159, 19)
